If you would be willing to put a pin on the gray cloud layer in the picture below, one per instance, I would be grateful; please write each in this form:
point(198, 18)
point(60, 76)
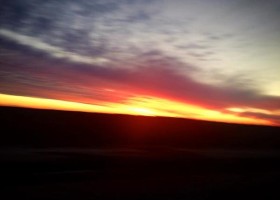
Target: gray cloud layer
point(75, 47)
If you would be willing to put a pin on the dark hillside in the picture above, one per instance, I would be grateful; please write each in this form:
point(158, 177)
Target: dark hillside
point(48, 128)
point(47, 154)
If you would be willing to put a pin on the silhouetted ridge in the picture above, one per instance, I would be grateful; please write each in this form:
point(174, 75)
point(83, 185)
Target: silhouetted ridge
point(49, 128)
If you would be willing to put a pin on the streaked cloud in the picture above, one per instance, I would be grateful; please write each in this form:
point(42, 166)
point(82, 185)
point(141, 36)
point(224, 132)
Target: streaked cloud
point(53, 51)
point(217, 54)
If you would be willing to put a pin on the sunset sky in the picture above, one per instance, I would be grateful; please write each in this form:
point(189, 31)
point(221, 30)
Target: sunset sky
point(214, 60)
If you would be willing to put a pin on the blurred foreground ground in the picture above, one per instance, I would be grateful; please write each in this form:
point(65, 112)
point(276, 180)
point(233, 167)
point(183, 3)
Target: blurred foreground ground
point(138, 174)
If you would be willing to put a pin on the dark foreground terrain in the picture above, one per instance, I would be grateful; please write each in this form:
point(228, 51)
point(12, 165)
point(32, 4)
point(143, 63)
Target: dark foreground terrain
point(71, 155)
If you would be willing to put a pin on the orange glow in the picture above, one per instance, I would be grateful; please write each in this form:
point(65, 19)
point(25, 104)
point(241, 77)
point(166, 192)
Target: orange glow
point(249, 109)
point(164, 107)
point(34, 102)
point(143, 111)
point(138, 105)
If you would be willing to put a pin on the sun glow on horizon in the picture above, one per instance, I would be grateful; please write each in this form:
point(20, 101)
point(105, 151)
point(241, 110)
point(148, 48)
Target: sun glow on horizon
point(143, 111)
point(138, 105)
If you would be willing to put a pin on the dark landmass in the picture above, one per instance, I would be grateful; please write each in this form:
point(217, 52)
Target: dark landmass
point(49, 128)
point(47, 154)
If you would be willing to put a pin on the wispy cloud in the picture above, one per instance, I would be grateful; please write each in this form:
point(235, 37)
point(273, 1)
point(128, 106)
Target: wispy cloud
point(216, 54)
point(53, 51)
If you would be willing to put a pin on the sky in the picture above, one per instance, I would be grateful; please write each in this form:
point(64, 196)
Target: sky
point(215, 60)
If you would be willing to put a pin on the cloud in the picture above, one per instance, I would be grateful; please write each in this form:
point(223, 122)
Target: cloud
point(53, 51)
point(216, 36)
point(193, 46)
point(74, 48)
point(152, 72)
point(271, 117)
